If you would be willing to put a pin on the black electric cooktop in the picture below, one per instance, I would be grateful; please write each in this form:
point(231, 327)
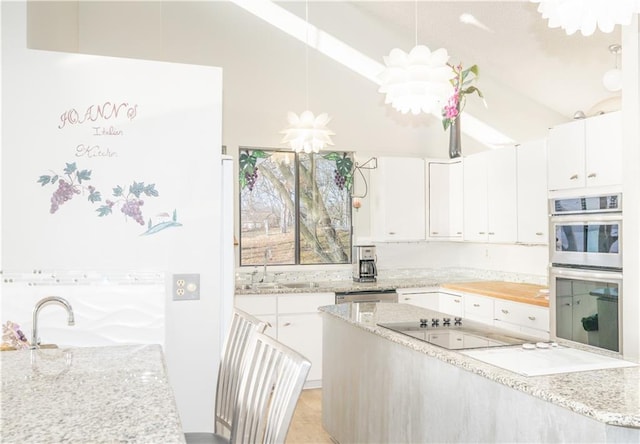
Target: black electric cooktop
point(455, 333)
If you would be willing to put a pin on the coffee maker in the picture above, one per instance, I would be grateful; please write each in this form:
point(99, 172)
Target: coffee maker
point(364, 263)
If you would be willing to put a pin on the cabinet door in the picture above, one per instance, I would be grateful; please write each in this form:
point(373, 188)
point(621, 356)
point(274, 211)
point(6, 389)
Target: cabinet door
point(501, 195)
point(533, 211)
point(478, 308)
point(456, 199)
point(445, 200)
point(566, 156)
point(475, 198)
point(398, 199)
point(303, 333)
point(523, 315)
point(439, 200)
point(603, 147)
point(451, 304)
point(429, 301)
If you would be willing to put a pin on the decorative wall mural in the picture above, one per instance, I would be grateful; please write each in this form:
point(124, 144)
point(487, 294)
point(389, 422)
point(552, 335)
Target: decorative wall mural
point(129, 199)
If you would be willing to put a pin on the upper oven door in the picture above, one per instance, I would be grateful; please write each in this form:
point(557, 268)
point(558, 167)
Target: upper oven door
point(592, 240)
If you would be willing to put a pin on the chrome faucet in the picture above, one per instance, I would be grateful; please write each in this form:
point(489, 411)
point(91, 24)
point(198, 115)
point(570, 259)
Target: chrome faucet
point(35, 341)
point(267, 256)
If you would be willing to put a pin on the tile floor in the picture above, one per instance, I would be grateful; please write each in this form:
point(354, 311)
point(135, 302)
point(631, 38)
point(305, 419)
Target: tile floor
point(306, 426)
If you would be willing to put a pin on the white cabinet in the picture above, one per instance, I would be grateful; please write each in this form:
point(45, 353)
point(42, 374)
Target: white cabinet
point(490, 211)
point(526, 318)
point(451, 304)
point(586, 153)
point(398, 199)
point(424, 298)
point(445, 199)
point(532, 197)
point(478, 308)
point(296, 323)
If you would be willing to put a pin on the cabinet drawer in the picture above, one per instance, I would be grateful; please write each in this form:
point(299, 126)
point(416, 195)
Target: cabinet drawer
point(304, 302)
point(451, 304)
point(524, 315)
point(478, 307)
point(257, 304)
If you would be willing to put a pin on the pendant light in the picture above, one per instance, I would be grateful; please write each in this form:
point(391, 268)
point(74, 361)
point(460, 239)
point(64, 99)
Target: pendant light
point(612, 79)
point(586, 15)
point(307, 133)
point(417, 81)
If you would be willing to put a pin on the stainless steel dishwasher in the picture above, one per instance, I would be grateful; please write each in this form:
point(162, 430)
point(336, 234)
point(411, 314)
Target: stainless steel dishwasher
point(367, 296)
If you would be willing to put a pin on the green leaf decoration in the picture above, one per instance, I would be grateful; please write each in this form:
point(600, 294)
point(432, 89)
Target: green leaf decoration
point(43, 180)
point(243, 180)
point(136, 188)
point(332, 156)
point(117, 191)
point(54, 179)
point(259, 154)
point(83, 175)
point(70, 168)
point(175, 215)
point(94, 197)
point(150, 190)
point(104, 210)
point(344, 165)
point(348, 182)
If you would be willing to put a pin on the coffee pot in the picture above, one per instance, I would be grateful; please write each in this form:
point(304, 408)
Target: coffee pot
point(364, 263)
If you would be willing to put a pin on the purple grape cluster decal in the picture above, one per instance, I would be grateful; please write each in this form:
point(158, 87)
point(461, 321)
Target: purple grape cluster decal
point(129, 200)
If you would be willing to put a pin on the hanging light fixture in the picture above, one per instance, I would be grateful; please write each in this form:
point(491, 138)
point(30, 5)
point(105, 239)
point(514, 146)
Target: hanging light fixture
point(586, 15)
point(612, 79)
point(417, 81)
point(307, 133)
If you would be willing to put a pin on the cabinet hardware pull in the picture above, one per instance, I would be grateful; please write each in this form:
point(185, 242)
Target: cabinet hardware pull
point(458, 232)
point(532, 318)
point(505, 311)
point(434, 232)
point(480, 232)
point(476, 305)
point(457, 301)
point(578, 302)
point(539, 233)
point(269, 325)
point(566, 304)
point(491, 233)
point(407, 299)
point(574, 177)
point(392, 232)
point(286, 324)
point(591, 175)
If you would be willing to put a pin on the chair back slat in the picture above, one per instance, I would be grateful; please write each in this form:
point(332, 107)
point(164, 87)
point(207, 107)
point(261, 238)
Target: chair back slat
point(272, 378)
point(239, 337)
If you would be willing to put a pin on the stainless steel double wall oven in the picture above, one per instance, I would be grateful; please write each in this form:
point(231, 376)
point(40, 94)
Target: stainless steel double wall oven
point(586, 270)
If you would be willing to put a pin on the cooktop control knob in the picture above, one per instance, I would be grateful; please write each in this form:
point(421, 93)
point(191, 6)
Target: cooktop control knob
point(423, 322)
point(435, 322)
point(446, 322)
point(458, 321)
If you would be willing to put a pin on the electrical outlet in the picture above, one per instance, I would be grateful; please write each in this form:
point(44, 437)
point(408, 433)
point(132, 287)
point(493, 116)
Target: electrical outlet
point(186, 287)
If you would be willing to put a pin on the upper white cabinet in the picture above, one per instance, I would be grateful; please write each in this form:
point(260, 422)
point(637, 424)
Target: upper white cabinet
point(398, 199)
point(532, 192)
point(490, 210)
point(445, 199)
point(586, 153)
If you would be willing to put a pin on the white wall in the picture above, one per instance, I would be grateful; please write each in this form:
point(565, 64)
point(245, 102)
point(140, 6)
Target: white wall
point(174, 141)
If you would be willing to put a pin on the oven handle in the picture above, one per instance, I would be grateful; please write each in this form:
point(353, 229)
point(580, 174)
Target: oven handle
point(582, 218)
point(590, 275)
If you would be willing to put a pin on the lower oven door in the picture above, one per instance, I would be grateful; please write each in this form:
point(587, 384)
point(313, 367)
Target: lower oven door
point(585, 307)
point(367, 296)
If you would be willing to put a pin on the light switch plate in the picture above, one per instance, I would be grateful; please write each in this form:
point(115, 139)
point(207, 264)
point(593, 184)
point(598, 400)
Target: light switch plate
point(186, 287)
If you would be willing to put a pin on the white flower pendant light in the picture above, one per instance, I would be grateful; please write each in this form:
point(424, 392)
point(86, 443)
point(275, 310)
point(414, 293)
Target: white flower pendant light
point(586, 15)
point(307, 133)
point(418, 81)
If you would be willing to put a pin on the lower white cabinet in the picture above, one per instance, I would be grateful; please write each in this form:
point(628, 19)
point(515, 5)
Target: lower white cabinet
point(478, 308)
point(526, 318)
point(451, 304)
point(424, 298)
point(295, 321)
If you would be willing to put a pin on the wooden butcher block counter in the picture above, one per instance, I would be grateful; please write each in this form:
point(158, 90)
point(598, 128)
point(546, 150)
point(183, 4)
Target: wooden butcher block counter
point(513, 291)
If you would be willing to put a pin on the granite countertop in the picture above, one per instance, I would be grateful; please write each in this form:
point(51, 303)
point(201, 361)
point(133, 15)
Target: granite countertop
point(610, 396)
point(387, 280)
point(94, 394)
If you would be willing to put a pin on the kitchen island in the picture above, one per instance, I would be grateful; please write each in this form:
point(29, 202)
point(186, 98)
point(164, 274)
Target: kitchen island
point(93, 394)
point(383, 386)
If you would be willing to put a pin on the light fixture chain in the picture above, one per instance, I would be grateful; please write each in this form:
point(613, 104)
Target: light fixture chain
point(415, 17)
point(306, 48)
